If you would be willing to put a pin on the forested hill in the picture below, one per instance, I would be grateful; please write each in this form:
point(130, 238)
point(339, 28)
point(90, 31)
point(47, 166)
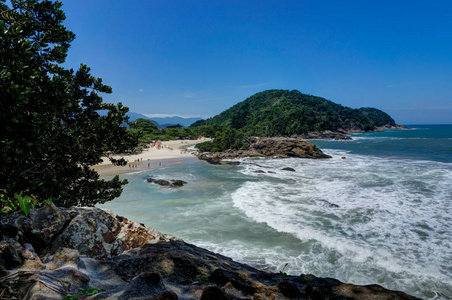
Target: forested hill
point(284, 112)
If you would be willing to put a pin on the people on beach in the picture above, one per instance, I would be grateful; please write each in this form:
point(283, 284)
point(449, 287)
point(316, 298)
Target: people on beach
point(135, 158)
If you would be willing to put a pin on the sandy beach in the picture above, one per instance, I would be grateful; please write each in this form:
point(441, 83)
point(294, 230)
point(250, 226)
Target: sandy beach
point(169, 152)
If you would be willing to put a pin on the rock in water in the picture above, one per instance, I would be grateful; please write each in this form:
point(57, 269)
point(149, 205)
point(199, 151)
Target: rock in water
point(162, 182)
point(288, 169)
point(177, 183)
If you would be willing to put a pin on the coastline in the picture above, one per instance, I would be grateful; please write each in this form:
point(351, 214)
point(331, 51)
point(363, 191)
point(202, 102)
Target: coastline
point(391, 169)
point(171, 152)
point(305, 284)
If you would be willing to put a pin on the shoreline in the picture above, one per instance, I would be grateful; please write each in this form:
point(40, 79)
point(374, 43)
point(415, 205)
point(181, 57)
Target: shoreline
point(170, 153)
point(175, 151)
point(110, 170)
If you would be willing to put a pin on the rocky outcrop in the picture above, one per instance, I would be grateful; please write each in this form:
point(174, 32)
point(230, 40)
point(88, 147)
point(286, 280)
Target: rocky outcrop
point(94, 232)
point(173, 183)
point(147, 265)
point(322, 135)
point(391, 126)
point(341, 133)
point(357, 129)
point(276, 147)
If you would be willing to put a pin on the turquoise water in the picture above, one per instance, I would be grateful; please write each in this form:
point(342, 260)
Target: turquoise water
point(422, 142)
point(381, 215)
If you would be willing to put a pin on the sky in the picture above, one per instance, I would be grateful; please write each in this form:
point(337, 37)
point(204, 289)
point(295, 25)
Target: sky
point(198, 58)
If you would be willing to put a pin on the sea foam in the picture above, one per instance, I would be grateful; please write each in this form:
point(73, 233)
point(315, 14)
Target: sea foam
point(379, 211)
point(363, 218)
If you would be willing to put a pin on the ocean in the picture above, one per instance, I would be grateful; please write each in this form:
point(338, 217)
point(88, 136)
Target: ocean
point(379, 211)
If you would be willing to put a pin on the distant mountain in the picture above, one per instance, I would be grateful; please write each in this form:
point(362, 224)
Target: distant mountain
point(284, 112)
point(133, 116)
point(163, 122)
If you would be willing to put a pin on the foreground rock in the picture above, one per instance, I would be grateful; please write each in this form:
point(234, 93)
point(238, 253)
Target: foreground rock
point(277, 147)
point(46, 257)
point(94, 232)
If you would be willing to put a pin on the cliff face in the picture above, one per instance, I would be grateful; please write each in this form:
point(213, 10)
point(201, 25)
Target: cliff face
point(57, 251)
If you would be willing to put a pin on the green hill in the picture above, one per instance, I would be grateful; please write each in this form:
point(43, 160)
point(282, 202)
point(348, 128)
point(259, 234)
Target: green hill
point(284, 112)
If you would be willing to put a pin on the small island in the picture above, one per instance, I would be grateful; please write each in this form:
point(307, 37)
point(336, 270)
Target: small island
point(291, 113)
point(275, 123)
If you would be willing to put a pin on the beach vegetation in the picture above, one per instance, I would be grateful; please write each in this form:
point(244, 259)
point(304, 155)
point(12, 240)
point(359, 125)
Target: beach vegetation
point(206, 130)
point(175, 126)
point(204, 280)
point(146, 130)
point(52, 133)
point(226, 138)
point(145, 125)
point(83, 293)
point(18, 202)
point(24, 202)
point(282, 272)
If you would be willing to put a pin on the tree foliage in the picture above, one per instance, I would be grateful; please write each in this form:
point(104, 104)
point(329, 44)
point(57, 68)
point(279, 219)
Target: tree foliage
point(225, 138)
point(378, 117)
point(145, 125)
point(283, 112)
point(148, 130)
point(52, 132)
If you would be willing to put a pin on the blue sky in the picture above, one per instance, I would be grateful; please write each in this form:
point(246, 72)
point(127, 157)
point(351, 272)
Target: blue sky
point(198, 58)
